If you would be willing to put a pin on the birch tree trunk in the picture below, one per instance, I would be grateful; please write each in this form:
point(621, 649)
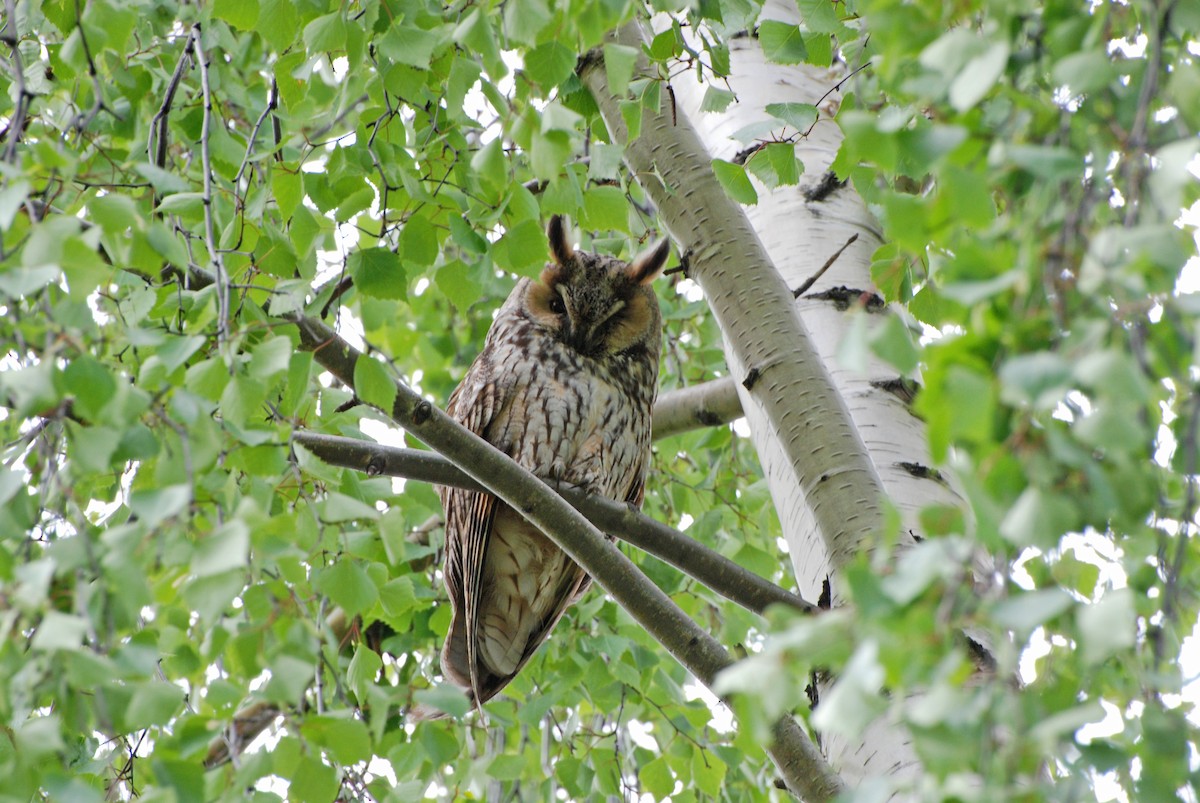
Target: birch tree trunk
point(800, 230)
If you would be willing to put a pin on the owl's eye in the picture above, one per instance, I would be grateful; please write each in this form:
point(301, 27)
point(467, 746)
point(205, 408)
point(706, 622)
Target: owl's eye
point(557, 306)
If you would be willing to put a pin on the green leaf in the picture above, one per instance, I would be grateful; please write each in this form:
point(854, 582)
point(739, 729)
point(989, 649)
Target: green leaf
point(347, 585)
point(506, 768)
point(153, 703)
point(525, 19)
point(957, 405)
point(1027, 610)
point(1039, 379)
point(734, 180)
point(226, 548)
point(1085, 71)
point(347, 740)
point(893, 342)
point(91, 385)
point(978, 77)
point(271, 357)
point(656, 778)
point(1107, 627)
point(152, 506)
point(665, 45)
point(418, 241)
point(446, 698)
point(278, 23)
point(716, 99)
point(454, 279)
point(243, 400)
point(182, 203)
point(405, 44)
point(326, 33)
point(775, 165)
point(781, 42)
point(313, 782)
point(59, 631)
point(378, 273)
point(855, 699)
point(708, 772)
point(522, 246)
point(490, 164)
point(799, 116)
point(619, 62)
point(11, 199)
point(374, 384)
point(819, 16)
point(605, 208)
point(238, 13)
point(550, 64)
point(363, 670)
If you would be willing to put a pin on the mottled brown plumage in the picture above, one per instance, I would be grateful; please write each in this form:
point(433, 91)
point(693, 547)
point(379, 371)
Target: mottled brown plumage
point(564, 385)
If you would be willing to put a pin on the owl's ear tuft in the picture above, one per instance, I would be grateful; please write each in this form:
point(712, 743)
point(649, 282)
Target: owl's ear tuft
point(647, 265)
point(560, 246)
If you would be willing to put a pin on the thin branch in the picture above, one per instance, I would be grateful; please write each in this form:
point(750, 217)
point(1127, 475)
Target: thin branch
point(156, 146)
point(621, 521)
point(797, 757)
point(272, 105)
point(210, 239)
point(84, 119)
point(1137, 164)
point(811, 280)
point(17, 123)
point(1174, 571)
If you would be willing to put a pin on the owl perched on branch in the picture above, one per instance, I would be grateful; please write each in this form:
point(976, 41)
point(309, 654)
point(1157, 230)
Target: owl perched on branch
point(564, 385)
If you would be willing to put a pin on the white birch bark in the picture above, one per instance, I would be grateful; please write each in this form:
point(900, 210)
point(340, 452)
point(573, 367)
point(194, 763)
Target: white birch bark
point(784, 378)
point(800, 235)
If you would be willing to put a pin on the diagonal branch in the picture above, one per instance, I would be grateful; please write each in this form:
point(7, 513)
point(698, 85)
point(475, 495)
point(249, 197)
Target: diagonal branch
point(666, 543)
point(797, 757)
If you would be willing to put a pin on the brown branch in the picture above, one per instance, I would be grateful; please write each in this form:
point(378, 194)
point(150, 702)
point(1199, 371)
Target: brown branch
point(684, 553)
point(156, 147)
point(797, 757)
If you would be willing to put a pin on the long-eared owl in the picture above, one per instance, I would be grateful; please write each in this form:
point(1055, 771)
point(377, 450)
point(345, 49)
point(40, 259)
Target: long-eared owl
point(564, 385)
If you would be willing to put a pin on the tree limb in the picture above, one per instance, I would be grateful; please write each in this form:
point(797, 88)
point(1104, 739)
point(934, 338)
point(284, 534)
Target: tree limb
point(666, 543)
point(705, 405)
point(798, 758)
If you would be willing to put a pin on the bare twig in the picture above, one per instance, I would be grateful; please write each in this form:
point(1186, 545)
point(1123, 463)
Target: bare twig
point(156, 145)
point(16, 125)
point(210, 239)
point(1174, 571)
point(272, 105)
point(1137, 165)
point(811, 280)
point(84, 119)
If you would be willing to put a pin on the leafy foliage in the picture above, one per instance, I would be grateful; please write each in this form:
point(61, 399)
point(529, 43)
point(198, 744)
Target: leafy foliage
point(167, 559)
point(177, 178)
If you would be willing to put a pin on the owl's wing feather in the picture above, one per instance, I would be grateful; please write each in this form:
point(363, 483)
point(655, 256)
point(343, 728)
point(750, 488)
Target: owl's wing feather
point(475, 403)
